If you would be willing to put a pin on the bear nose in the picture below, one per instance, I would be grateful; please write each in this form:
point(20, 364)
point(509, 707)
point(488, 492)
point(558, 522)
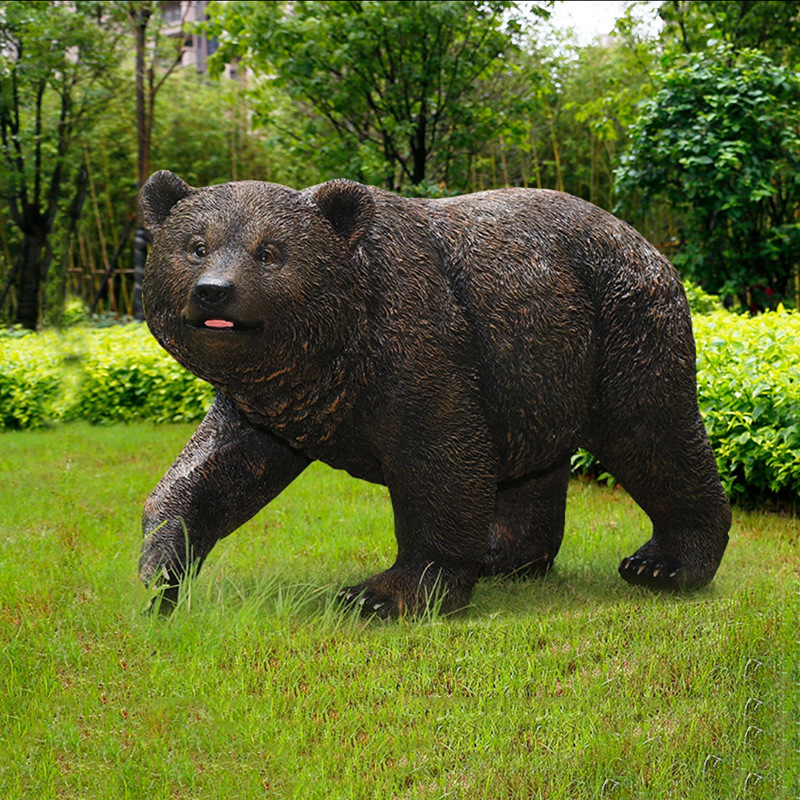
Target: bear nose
point(211, 293)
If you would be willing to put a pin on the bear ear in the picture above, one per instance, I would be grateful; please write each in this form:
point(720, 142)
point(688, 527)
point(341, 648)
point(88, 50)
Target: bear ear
point(348, 206)
point(159, 196)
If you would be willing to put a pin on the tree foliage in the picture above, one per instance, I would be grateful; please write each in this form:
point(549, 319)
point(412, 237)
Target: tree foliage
point(421, 97)
point(721, 141)
point(57, 67)
point(772, 26)
point(407, 89)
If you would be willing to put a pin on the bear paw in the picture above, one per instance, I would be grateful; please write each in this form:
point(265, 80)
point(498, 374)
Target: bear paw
point(654, 572)
point(369, 603)
point(164, 601)
point(407, 593)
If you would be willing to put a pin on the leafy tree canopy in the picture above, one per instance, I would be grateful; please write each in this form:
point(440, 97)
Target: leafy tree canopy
point(721, 140)
point(57, 67)
point(772, 26)
point(409, 89)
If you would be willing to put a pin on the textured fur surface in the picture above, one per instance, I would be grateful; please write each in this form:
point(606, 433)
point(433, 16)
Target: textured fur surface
point(456, 350)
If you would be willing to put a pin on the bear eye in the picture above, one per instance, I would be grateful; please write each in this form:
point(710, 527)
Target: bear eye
point(200, 250)
point(266, 256)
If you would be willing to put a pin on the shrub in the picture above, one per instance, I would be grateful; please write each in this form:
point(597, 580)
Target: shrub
point(748, 376)
point(29, 379)
point(748, 381)
point(125, 375)
point(700, 301)
point(114, 374)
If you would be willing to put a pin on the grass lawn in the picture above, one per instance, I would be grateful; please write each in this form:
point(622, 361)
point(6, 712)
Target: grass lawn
point(576, 686)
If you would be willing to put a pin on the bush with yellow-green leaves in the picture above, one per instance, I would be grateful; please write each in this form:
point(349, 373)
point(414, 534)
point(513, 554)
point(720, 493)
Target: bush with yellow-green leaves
point(113, 374)
point(748, 380)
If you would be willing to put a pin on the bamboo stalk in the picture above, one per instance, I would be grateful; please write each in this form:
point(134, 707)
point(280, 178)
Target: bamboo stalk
point(82, 258)
point(99, 222)
point(556, 152)
point(504, 162)
point(537, 170)
point(107, 179)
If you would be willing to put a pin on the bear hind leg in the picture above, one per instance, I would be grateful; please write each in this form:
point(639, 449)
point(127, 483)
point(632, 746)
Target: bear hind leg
point(528, 523)
point(671, 472)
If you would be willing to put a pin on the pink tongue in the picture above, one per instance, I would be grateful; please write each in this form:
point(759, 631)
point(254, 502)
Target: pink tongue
point(218, 323)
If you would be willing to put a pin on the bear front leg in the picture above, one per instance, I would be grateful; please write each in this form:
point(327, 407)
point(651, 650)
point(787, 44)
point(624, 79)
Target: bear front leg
point(442, 495)
point(227, 472)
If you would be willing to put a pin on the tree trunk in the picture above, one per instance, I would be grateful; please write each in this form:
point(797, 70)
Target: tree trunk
point(419, 152)
point(139, 260)
point(140, 14)
point(33, 246)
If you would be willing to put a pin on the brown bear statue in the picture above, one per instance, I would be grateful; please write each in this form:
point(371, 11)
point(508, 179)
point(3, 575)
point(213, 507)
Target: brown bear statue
point(456, 350)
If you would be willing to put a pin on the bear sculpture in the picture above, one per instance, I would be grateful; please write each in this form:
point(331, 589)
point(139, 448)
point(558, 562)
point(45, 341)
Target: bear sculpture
point(455, 350)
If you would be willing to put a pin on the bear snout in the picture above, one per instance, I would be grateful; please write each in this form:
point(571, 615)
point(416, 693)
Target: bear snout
point(216, 304)
point(212, 294)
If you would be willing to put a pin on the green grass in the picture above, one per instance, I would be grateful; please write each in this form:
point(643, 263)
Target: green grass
point(577, 686)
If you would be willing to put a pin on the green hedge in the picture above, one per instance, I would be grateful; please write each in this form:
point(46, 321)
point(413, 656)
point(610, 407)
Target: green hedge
point(30, 380)
point(748, 384)
point(114, 374)
point(125, 375)
point(748, 381)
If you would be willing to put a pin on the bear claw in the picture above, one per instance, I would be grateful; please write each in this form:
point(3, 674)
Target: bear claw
point(358, 597)
point(654, 573)
point(400, 592)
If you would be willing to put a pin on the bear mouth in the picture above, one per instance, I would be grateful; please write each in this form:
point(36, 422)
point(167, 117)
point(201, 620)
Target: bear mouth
point(220, 324)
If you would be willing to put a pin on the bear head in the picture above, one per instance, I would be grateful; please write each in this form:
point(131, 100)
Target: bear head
point(250, 279)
